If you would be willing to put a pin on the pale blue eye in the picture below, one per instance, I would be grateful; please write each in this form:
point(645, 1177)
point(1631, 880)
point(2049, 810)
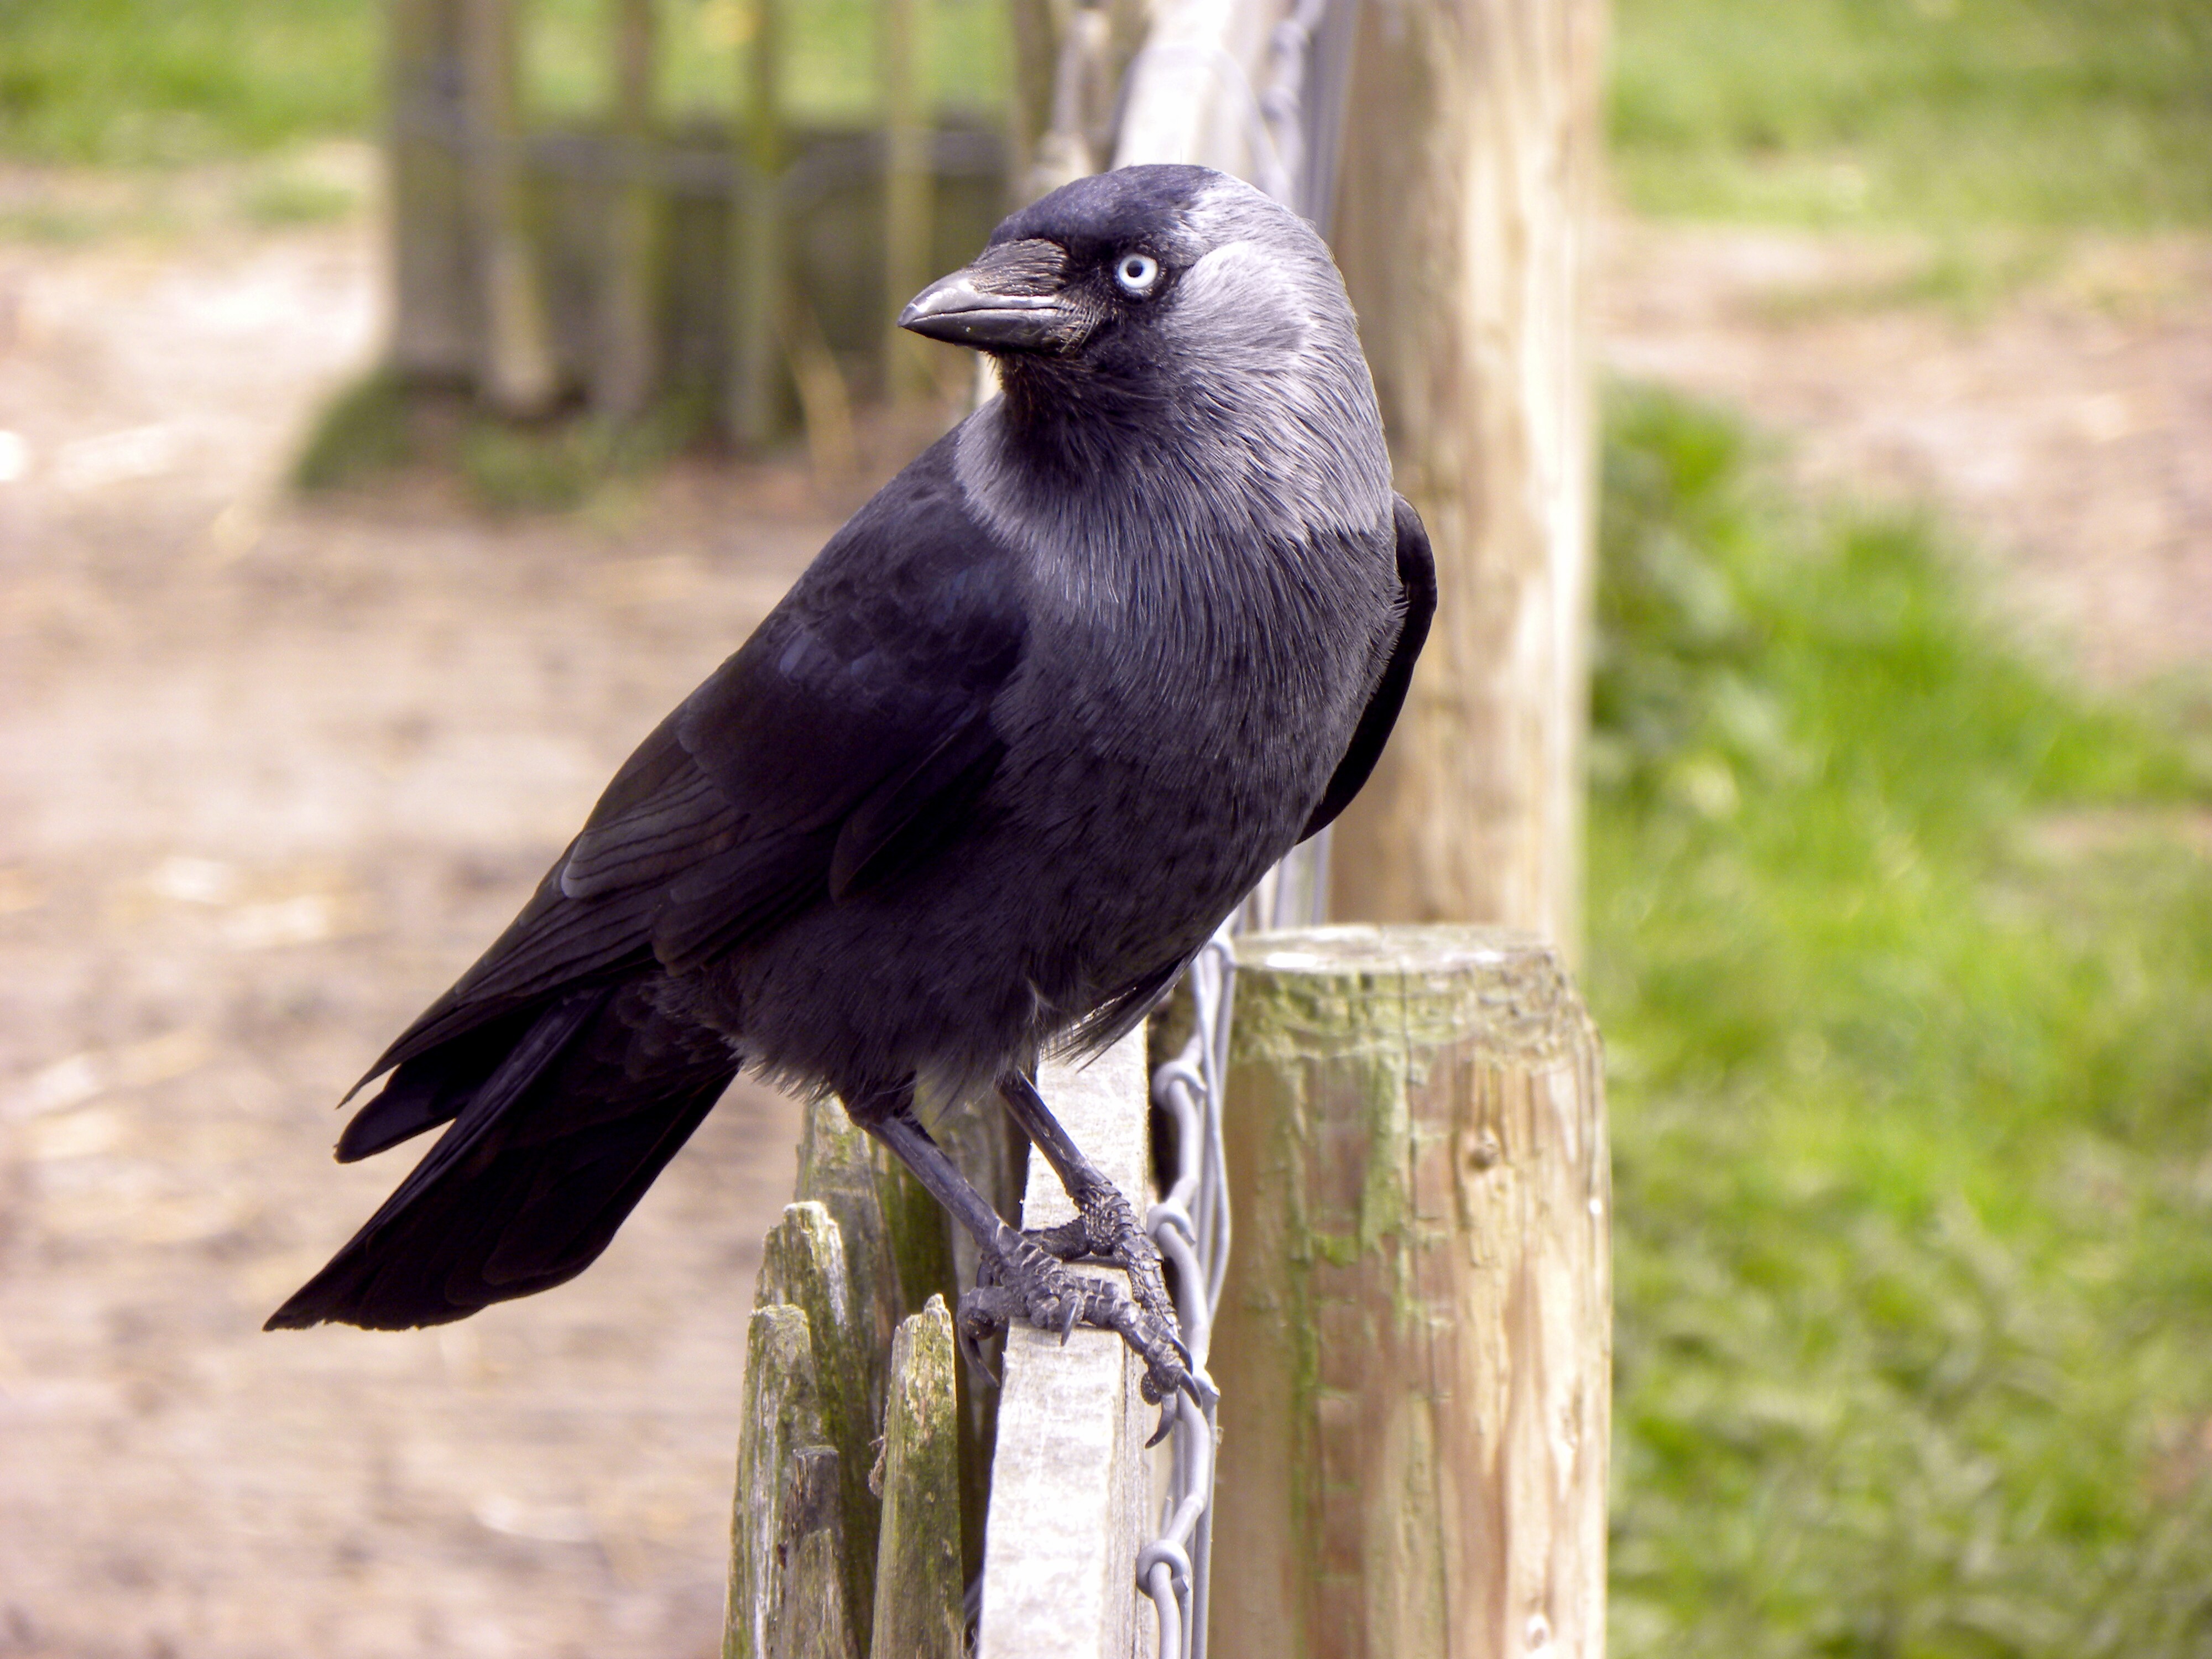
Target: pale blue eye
point(1136, 273)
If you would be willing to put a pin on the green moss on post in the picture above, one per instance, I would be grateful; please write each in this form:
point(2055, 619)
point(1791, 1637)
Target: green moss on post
point(1414, 1345)
point(787, 1586)
point(918, 1580)
point(803, 1264)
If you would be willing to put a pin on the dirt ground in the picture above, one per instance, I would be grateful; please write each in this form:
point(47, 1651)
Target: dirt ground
point(270, 772)
point(2056, 402)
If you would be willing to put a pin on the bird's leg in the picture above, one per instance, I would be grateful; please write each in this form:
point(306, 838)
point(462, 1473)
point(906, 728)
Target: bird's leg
point(1018, 1279)
point(1105, 1227)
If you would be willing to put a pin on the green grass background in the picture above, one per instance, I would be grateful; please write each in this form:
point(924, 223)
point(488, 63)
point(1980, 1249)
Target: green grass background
point(1899, 937)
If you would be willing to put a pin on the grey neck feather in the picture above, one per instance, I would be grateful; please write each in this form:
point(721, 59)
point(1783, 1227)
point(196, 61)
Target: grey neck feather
point(1258, 443)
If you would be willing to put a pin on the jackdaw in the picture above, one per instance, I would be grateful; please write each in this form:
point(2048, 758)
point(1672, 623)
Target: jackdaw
point(1022, 736)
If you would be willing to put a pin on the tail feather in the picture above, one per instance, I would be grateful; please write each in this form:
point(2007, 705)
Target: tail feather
point(550, 1147)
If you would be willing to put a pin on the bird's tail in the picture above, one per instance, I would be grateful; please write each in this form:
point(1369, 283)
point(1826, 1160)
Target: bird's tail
point(561, 1119)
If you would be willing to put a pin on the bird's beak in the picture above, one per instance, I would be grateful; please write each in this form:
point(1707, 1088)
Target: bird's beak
point(1011, 299)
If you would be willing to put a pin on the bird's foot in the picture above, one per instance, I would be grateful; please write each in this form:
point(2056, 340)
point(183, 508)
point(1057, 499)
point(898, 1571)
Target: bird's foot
point(1024, 1279)
point(1106, 1229)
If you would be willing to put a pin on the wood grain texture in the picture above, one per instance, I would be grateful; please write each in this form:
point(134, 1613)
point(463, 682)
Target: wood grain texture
point(757, 382)
point(1462, 225)
point(803, 1264)
point(515, 367)
point(436, 305)
point(624, 367)
point(1415, 1342)
point(1069, 1485)
point(919, 1585)
point(787, 1589)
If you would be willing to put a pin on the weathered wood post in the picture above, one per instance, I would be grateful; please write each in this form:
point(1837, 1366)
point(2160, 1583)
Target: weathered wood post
point(908, 189)
point(622, 374)
point(1413, 1344)
point(434, 327)
point(1463, 210)
point(1069, 1488)
point(516, 366)
point(787, 1590)
point(920, 1611)
point(755, 396)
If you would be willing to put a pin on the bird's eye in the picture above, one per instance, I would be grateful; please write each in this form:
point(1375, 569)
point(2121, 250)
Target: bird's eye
point(1135, 273)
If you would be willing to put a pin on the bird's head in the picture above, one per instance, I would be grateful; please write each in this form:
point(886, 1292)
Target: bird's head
point(1143, 276)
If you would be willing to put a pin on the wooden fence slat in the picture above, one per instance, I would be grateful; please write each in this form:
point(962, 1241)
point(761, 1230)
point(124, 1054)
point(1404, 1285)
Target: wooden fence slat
point(1413, 1344)
point(1070, 1491)
point(920, 1587)
point(517, 367)
point(756, 239)
point(837, 1169)
point(625, 367)
point(907, 187)
point(786, 1583)
point(803, 1263)
point(435, 304)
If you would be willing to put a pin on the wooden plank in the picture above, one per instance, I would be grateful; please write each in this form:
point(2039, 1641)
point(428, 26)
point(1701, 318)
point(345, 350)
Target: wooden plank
point(435, 305)
point(1069, 1487)
point(837, 1169)
point(803, 1264)
point(1414, 1345)
point(623, 373)
point(909, 187)
point(1464, 211)
point(786, 1595)
point(516, 373)
point(756, 389)
point(919, 1586)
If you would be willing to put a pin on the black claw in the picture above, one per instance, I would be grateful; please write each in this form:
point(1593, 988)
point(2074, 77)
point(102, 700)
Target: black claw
point(974, 1351)
point(1167, 1424)
point(1067, 1324)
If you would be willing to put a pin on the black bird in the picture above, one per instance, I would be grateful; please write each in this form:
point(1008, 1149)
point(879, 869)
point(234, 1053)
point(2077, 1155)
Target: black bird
point(1028, 727)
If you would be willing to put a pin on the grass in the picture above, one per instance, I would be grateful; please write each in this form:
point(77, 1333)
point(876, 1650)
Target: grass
point(378, 425)
point(140, 82)
point(1936, 114)
point(134, 82)
point(1911, 1077)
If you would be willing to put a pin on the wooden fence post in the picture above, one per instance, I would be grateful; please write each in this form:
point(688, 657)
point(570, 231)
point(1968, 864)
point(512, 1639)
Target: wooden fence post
point(434, 302)
point(624, 369)
point(1463, 207)
point(786, 1591)
point(907, 188)
point(1414, 1345)
point(754, 397)
point(517, 361)
point(920, 1611)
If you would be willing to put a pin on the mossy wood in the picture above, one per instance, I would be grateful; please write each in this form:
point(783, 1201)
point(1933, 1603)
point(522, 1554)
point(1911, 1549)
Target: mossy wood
point(787, 1587)
point(919, 1582)
point(803, 1265)
point(828, 1378)
point(1414, 1344)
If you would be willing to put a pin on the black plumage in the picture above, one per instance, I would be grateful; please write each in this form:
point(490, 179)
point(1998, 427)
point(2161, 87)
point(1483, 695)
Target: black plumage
point(1030, 725)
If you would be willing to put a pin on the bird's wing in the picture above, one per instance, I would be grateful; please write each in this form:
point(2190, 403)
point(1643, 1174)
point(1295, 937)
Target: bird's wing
point(845, 740)
point(1417, 577)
